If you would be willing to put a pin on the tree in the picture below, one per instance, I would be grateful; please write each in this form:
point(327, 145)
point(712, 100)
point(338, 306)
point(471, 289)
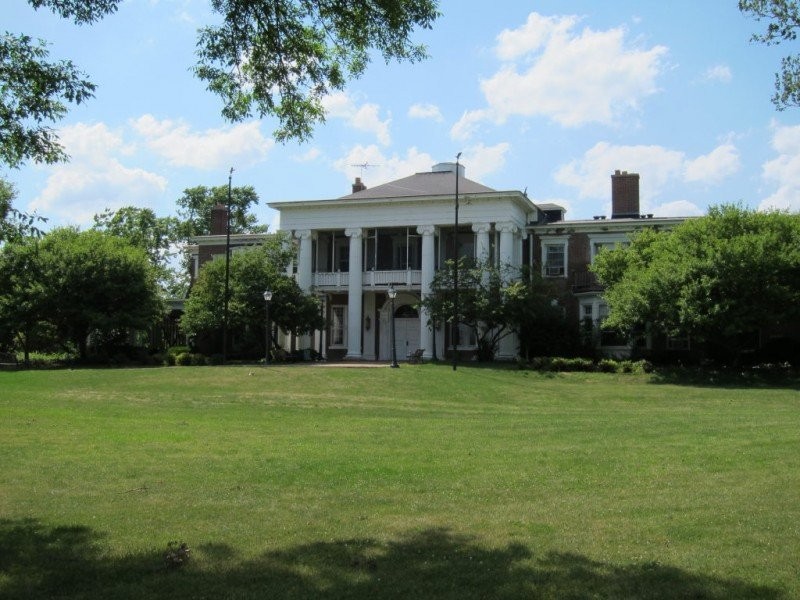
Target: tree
point(280, 58)
point(23, 295)
point(194, 210)
point(489, 303)
point(157, 236)
point(784, 20)
point(15, 224)
point(95, 283)
point(275, 58)
point(251, 273)
point(715, 278)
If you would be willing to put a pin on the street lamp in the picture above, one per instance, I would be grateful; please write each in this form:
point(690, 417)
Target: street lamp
point(227, 272)
point(392, 293)
point(455, 278)
point(267, 299)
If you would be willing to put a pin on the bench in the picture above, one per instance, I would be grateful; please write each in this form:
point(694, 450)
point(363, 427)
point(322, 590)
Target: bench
point(415, 357)
point(8, 359)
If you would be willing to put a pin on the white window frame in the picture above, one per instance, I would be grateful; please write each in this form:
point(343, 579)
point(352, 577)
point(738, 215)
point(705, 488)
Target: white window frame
point(342, 309)
point(466, 332)
point(605, 240)
point(562, 241)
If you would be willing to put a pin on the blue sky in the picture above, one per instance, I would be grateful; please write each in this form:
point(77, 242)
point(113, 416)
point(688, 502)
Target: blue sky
point(548, 96)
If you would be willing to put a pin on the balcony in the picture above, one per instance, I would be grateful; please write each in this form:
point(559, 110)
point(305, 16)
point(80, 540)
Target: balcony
point(371, 279)
point(584, 282)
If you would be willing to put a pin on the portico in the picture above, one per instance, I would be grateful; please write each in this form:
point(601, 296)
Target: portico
point(352, 249)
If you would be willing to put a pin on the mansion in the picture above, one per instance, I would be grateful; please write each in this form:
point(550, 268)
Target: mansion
point(351, 250)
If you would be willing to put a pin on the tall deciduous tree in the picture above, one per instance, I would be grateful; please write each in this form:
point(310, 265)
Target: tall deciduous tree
point(157, 236)
point(281, 57)
point(783, 18)
point(23, 295)
point(251, 273)
point(15, 224)
point(489, 302)
point(194, 210)
point(268, 58)
point(714, 278)
point(95, 283)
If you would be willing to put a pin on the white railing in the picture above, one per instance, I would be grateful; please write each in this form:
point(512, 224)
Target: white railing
point(406, 278)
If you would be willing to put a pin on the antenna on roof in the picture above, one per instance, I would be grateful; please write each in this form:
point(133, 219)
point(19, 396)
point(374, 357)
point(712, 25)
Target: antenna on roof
point(363, 166)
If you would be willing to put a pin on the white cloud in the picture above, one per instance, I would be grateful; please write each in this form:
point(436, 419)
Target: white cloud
point(241, 145)
point(679, 208)
point(468, 124)
point(535, 33)
point(722, 162)
point(718, 73)
point(425, 111)
point(573, 78)
point(310, 156)
point(481, 160)
point(784, 170)
point(382, 168)
point(95, 178)
point(591, 174)
point(658, 167)
point(364, 118)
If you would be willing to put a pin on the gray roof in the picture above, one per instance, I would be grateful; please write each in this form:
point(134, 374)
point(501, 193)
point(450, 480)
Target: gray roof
point(422, 184)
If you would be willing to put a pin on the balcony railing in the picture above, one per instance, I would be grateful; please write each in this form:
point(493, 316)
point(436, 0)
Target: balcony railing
point(405, 278)
point(585, 281)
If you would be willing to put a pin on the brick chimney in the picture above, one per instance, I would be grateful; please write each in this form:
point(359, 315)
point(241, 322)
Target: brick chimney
point(624, 195)
point(219, 219)
point(358, 186)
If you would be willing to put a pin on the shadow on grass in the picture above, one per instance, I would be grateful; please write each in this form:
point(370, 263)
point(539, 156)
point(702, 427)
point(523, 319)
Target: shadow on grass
point(745, 379)
point(65, 562)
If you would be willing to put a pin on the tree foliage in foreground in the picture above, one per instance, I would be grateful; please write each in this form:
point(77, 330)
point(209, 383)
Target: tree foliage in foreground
point(157, 236)
point(489, 302)
point(194, 210)
point(282, 57)
point(80, 283)
point(265, 58)
point(251, 273)
point(714, 278)
point(783, 18)
point(15, 224)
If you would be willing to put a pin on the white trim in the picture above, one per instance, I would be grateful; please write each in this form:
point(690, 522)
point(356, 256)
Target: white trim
point(551, 272)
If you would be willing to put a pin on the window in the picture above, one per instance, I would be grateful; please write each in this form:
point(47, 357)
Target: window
point(338, 326)
point(678, 343)
point(341, 254)
point(466, 337)
point(554, 260)
point(606, 241)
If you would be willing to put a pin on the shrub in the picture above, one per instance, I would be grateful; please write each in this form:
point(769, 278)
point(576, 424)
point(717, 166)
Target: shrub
point(197, 359)
point(607, 365)
point(184, 359)
point(215, 359)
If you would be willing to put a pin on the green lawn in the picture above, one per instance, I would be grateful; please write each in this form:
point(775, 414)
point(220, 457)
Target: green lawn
point(418, 482)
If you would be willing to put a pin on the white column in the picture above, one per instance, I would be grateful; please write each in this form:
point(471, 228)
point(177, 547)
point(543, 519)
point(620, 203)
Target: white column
point(481, 240)
point(428, 268)
point(354, 295)
point(509, 345)
point(507, 256)
point(305, 277)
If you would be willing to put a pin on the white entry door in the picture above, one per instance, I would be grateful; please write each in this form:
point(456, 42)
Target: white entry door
point(406, 336)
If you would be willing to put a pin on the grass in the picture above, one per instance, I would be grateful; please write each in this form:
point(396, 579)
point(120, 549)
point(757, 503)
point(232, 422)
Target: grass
point(310, 482)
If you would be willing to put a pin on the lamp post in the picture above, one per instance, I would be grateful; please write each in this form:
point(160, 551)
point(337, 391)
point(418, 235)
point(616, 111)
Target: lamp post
point(227, 272)
point(392, 293)
point(267, 336)
point(455, 278)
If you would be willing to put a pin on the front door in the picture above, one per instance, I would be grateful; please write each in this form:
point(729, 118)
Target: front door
point(406, 336)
